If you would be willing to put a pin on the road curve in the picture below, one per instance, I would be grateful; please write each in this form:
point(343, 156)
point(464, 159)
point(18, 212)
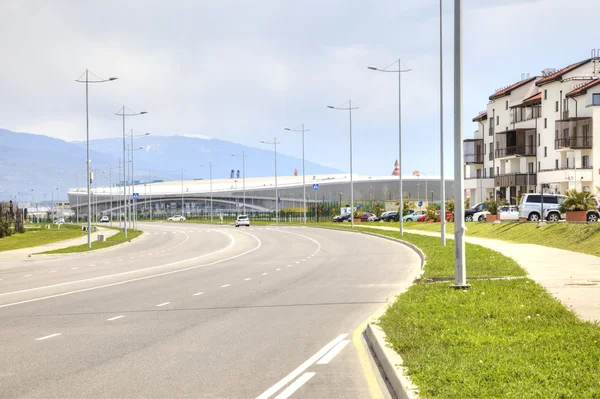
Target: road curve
point(198, 311)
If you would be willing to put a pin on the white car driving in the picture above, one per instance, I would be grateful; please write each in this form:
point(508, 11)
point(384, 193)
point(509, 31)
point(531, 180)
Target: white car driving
point(176, 218)
point(242, 220)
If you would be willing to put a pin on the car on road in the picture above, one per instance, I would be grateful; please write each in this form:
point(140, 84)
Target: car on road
point(470, 213)
point(176, 218)
point(242, 220)
point(413, 217)
point(104, 219)
point(530, 207)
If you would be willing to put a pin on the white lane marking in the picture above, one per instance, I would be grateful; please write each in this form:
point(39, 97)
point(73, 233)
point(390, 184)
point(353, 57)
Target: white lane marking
point(277, 270)
point(248, 279)
point(48, 336)
point(264, 274)
point(300, 369)
point(134, 271)
point(226, 285)
point(92, 265)
point(198, 293)
point(295, 386)
point(115, 318)
point(74, 268)
point(162, 304)
point(297, 262)
point(28, 275)
point(332, 353)
point(289, 265)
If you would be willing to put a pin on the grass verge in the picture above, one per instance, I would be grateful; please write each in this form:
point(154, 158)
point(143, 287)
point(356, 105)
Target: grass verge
point(117, 239)
point(581, 238)
point(36, 235)
point(501, 338)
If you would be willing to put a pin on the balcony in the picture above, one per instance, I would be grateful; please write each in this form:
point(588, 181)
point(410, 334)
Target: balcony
point(512, 151)
point(473, 151)
point(573, 133)
point(515, 179)
point(577, 142)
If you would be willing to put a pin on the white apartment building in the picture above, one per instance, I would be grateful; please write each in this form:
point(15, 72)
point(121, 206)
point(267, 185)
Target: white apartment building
point(538, 131)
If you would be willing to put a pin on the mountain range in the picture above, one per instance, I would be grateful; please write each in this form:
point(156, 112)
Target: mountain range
point(37, 167)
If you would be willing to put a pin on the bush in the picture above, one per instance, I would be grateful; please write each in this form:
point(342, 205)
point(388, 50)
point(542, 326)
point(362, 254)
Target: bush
point(493, 206)
point(406, 206)
point(577, 201)
point(450, 205)
point(431, 212)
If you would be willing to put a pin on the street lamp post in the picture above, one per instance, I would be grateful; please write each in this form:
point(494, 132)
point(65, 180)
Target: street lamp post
point(132, 136)
point(303, 168)
point(210, 166)
point(442, 179)
point(349, 109)
point(87, 81)
point(122, 112)
point(399, 72)
point(275, 142)
point(243, 156)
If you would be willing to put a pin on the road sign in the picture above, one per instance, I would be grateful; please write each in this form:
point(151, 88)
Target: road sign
point(135, 195)
point(316, 187)
point(357, 206)
point(420, 203)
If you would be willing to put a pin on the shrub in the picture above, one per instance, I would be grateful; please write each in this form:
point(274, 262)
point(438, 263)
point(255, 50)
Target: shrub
point(431, 212)
point(577, 201)
point(493, 206)
point(450, 205)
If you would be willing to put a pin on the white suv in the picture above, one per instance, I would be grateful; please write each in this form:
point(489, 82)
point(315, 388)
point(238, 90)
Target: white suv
point(530, 207)
point(242, 220)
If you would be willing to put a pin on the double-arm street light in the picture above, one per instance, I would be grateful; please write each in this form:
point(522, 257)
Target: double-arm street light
point(349, 108)
point(210, 166)
point(399, 71)
point(87, 81)
point(123, 112)
point(275, 142)
point(243, 156)
point(303, 168)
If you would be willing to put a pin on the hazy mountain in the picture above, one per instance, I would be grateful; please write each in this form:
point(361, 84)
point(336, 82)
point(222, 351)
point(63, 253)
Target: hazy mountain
point(37, 165)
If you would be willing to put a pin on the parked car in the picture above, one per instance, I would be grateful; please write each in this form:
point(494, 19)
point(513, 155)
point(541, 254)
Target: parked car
point(469, 213)
point(481, 216)
point(509, 213)
point(365, 216)
point(412, 217)
point(242, 220)
point(176, 218)
point(373, 218)
point(104, 219)
point(530, 207)
point(389, 216)
point(59, 220)
point(342, 218)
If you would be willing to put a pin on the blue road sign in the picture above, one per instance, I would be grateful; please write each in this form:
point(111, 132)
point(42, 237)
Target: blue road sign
point(420, 203)
point(316, 187)
point(357, 206)
point(135, 195)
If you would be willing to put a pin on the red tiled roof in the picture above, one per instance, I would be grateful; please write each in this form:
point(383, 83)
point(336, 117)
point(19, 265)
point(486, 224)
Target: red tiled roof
point(480, 117)
point(506, 91)
point(583, 89)
point(557, 75)
point(530, 100)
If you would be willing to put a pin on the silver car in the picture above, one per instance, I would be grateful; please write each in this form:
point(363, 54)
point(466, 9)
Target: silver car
point(530, 207)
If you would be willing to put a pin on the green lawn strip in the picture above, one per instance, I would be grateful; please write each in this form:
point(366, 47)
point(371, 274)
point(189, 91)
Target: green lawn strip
point(36, 235)
point(581, 238)
point(116, 239)
point(500, 339)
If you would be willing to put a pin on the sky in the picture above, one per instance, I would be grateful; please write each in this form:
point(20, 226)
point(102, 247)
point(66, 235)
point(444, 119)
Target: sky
point(244, 70)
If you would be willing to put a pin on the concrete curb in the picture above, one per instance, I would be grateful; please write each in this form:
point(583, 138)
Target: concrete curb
point(391, 363)
point(95, 251)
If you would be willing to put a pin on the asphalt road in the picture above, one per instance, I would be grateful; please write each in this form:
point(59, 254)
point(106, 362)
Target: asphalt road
point(197, 311)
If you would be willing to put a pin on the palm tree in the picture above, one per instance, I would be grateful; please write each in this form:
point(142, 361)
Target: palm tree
point(577, 201)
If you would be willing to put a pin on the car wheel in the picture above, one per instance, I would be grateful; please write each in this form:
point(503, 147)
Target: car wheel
point(409, 220)
point(592, 217)
point(534, 217)
point(553, 217)
point(481, 218)
point(469, 218)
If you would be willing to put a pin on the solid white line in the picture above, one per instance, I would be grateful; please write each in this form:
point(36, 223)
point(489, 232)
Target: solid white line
point(248, 279)
point(48, 336)
point(289, 265)
point(134, 271)
point(198, 293)
point(225, 286)
point(115, 318)
point(28, 275)
point(285, 380)
point(264, 274)
point(332, 353)
point(295, 386)
point(162, 304)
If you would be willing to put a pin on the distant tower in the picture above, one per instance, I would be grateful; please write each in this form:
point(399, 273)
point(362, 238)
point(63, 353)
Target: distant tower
point(396, 171)
point(295, 172)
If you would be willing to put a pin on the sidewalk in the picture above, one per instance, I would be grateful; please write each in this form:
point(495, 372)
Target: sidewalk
point(573, 278)
point(25, 252)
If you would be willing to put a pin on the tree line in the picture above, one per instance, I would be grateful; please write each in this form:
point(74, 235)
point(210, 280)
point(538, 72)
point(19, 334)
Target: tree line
point(11, 219)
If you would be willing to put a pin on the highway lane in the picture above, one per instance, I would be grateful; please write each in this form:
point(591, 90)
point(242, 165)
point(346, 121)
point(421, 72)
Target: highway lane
point(227, 326)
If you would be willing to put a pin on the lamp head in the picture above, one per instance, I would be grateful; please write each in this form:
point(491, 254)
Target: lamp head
point(113, 78)
point(331, 106)
point(372, 68)
point(143, 112)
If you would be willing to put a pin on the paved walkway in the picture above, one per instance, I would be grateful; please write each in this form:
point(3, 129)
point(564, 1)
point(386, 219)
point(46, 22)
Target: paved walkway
point(573, 278)
point(25, 252)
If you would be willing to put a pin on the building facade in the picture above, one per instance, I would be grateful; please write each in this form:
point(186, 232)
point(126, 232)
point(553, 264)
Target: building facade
point(538, 132)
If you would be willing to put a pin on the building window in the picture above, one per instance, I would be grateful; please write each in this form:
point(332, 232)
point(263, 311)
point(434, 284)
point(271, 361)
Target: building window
point(506, 104)
point(585, 161)
point(567, 162)
point(497, 120)
point(479, 173)
point(566, 133)
point(491, 172)
point(566, 105)
point(530, 166)
point(545, 152)
point(556, 164)
point(556, 106)
point(491, 148)
point(545, 94)
point(539, 166)
point(596, 99)
point(538, 139)
point(545, 123)
point(497, 170)
point(484, 173)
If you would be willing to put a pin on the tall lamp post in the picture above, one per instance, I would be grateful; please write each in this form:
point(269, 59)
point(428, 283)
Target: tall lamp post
point(210, 166)
point(399, 72)
point(275, 142)
point(243, 156)
point(87, 81)
point(132, 136)
point(123, 112)
point(349, 108)
point(303, 168)
point(442, 179)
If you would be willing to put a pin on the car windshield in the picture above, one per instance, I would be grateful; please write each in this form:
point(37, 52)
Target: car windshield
point(242, 217)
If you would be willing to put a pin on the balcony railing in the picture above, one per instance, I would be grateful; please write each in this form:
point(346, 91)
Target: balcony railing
point(576, 142)
point(474, 158)
point(515, 179)
point(490, 156)
point(527, 151)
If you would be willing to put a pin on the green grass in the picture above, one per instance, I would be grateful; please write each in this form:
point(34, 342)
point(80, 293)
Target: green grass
point(489, 342)
point(117, 239)
point(583, 238)
point(36, 234)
